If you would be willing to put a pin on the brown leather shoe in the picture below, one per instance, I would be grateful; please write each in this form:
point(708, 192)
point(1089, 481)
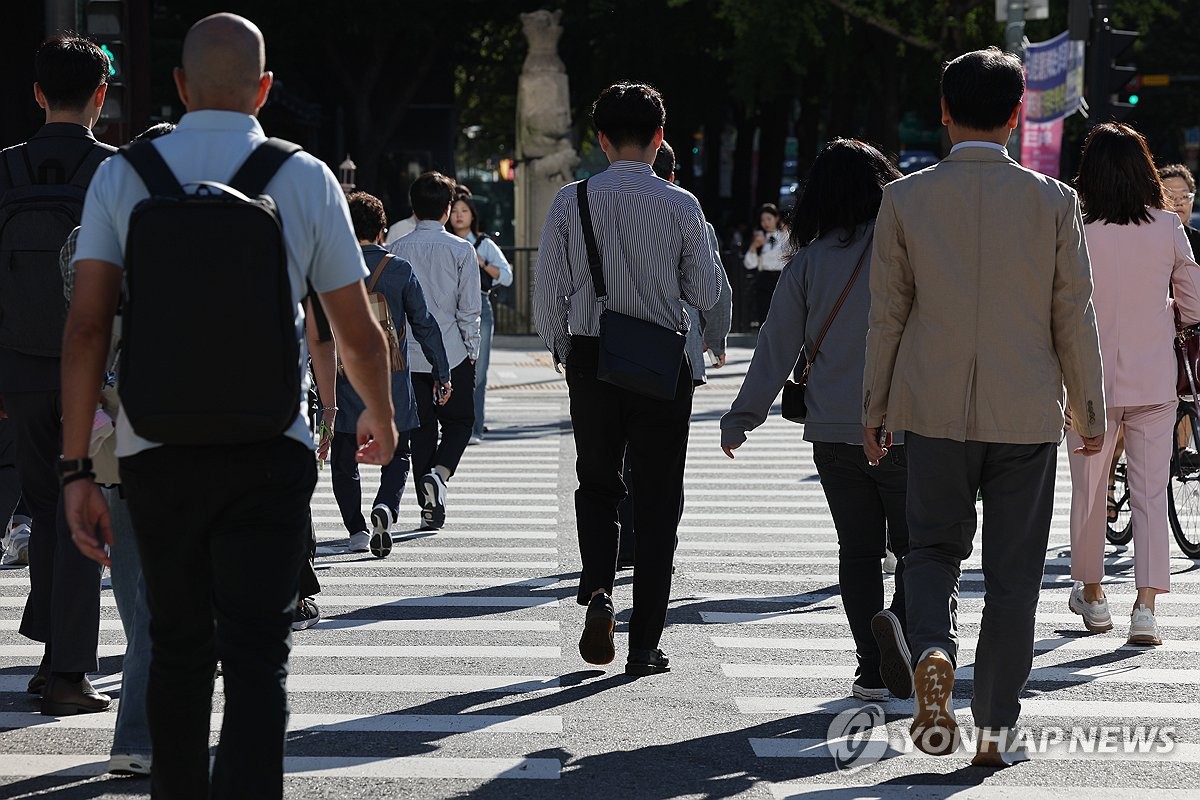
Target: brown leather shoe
point(62, 698)
point(988, 752)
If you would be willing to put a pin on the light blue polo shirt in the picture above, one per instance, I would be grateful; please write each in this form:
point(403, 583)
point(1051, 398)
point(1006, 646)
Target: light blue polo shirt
point(211, 145)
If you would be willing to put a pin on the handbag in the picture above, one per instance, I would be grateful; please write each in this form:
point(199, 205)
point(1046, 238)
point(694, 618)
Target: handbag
point(641, 356)
point(792, 405)
point(1187, 354)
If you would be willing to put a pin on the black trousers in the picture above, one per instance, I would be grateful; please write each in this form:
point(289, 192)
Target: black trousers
point(63, 609)
point(868, 509)
point(628, 520)
point(764, 289)
point(608, 423)
point(197, 512)
point(347, 485)
point(455, 419)
point(1017, 483)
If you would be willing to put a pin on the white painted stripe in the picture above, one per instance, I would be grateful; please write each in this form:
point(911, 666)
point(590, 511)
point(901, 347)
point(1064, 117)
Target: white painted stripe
point(779, 546)
point(1115, 674)
point(434, 767)
point(390, 564)
point(430, 580)
point(379, 601)
point(375, 625)
point(326, 723)
point(472, 507)
point(1086, 644)
point(1049, 580)
point(327, 492)
point(386, 682)
point(819, 748)
point(909, 791)
point(424, 549)
point(1177, 564)
point(838, 619)
point(457, 517)
point(354, 651)
point(1030, 708)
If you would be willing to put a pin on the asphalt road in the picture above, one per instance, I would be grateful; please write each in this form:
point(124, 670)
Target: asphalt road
point(450, 669)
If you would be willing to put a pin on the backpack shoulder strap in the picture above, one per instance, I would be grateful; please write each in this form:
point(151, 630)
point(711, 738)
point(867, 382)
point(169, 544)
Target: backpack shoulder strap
point(152, 169)
point(19, 173)
point(87, 167)
point(261, 165)
point(383, 262)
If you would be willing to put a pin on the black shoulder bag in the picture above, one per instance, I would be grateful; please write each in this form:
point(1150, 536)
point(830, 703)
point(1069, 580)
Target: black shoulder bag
point(792, 405)
point(637, 355)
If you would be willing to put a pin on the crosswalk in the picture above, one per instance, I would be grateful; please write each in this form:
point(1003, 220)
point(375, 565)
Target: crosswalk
point(451, 666)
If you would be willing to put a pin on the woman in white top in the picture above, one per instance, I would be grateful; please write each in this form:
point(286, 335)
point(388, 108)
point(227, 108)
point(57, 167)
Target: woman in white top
point(494, 270)
point(767, 257)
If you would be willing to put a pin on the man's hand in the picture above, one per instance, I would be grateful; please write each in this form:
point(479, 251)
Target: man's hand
point(326, 433)
point(442, 392)
point(871, 447)
point(1067, 418)
point(729, 448)
point(87, 517)
point(376, 438)
point(1091, 445)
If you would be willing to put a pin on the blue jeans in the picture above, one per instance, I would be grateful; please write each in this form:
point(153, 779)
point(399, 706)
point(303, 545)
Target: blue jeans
point(132, 735)
point(487, 326)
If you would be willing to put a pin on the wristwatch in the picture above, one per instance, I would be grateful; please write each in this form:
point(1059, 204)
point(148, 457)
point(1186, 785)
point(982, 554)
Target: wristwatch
point(69, 466)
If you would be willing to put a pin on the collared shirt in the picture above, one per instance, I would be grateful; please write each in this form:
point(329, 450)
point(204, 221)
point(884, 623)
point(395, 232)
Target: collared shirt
point(653, 245)
point(975, 143)
point(772, 257)
point(492, 254)
point(445, 266)
point(211, 145)
point(53, 152)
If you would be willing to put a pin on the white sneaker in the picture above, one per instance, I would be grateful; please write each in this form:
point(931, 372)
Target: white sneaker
point(431, 493)
point(1142, 627)
point(381, 539)
point(128, 764)
point(16, 547)
point(1096, 617)
point(360, 542)
point(475, 439)
point(889, 562)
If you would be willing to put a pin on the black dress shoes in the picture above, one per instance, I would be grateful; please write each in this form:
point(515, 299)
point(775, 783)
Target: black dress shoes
point(596, 644)
point(62, 698)
point(37, 683)
point(647, 662)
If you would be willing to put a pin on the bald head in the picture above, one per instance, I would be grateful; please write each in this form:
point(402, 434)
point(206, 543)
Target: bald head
point(223, 60)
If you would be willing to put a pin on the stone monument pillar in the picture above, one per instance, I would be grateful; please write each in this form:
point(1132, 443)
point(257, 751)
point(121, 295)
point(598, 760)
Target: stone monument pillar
point(545, 158)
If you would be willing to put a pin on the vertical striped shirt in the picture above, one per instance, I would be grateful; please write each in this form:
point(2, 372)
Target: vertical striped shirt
point(653, 245)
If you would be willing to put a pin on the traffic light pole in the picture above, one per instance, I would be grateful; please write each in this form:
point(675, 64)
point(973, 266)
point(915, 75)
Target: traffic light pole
point(1099, 56)
point(1014, 42)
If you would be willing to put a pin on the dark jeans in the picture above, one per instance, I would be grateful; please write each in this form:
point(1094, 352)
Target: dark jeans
point(63, 609)
point(867, 505)
point(608, 423)
point(347, 487)
point(1017, 483)
point(200, 515)
point(455, 419)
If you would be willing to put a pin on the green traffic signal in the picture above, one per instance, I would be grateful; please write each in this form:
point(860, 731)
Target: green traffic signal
point(1133, 99)
point(112, 60)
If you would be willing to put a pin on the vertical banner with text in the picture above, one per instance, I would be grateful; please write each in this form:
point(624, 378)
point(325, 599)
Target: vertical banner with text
point(1053, 92)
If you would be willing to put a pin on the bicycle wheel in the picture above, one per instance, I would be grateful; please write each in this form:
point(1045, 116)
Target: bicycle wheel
point(1120, 530)
point(1183, 492)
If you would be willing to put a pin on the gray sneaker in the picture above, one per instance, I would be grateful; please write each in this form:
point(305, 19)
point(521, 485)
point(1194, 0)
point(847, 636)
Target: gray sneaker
point(16, 547)
point(1096, 617)
point(1142, 627)
point(360, 542)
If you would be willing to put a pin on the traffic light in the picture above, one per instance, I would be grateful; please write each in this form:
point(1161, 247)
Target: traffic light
point(107, 24)
point(1112, 86)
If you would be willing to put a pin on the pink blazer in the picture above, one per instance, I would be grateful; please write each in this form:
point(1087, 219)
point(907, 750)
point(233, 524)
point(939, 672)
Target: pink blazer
point(1133, 266)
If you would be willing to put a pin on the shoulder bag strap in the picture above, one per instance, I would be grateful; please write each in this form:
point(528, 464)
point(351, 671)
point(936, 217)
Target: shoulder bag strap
point(838, 306)
point(589, 240)
point(383, 262)
point(148, 163)
point(260, 166)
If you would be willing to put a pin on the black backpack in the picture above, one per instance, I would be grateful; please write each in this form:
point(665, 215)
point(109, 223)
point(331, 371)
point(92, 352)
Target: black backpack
point(209, 347)
point(35, 219)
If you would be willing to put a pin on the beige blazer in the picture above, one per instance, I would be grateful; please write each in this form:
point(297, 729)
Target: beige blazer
point(981, 306)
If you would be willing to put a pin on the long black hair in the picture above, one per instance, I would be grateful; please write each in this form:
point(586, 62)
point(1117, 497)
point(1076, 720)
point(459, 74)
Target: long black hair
point(842, 191)
point(1117, 180)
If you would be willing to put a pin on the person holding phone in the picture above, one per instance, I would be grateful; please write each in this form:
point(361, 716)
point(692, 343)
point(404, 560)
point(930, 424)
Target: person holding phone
point(767, 256)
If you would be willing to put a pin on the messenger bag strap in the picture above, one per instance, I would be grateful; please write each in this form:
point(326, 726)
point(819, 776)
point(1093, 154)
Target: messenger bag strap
point(838, 306)
point(260, 166)
point(589, 240)
point(383, 262)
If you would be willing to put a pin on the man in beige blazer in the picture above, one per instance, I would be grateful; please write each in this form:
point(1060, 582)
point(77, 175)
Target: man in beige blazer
point(980, 312)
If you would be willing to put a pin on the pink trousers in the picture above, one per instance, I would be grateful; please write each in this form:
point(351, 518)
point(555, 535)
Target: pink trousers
point(1149, 436)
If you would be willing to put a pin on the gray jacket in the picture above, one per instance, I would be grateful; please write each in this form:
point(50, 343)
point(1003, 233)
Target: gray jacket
point(808, 290)
point(709, 328)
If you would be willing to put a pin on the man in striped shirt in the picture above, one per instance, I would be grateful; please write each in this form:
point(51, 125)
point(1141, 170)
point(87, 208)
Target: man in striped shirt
point(655, 254)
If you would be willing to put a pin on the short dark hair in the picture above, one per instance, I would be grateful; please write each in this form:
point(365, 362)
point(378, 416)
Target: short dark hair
point(664, 161)
point(629, 113)
point(1117, 182)
point(465, 197)
point(1178, 171)
point(367, 214)
point(430, 195)
point(981, 88)
point(69, 70)
point(842, 191)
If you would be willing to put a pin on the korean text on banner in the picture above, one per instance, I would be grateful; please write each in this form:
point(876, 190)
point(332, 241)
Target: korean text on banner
point(1053, 79)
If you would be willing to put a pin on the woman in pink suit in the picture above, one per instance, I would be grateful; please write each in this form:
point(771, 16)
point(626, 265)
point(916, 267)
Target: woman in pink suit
point(1139, 254)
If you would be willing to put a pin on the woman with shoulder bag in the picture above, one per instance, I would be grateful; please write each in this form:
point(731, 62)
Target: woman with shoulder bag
point(820, 309)
point(1140, 254)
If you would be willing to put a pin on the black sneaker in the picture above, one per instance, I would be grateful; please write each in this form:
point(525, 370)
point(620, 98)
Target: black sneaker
point(381, 539)
point(895, 660)
point(307, 615)
point(431, 493)
point(647, 662)
point(596, 644)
